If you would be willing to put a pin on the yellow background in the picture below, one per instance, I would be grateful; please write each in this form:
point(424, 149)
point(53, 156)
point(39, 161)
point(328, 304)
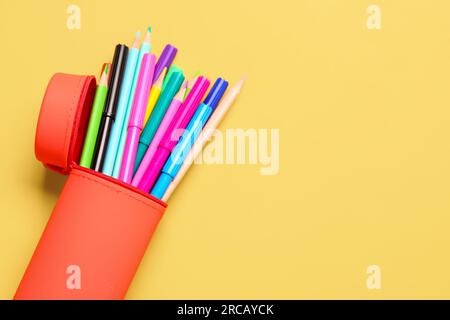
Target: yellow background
point(364, 144)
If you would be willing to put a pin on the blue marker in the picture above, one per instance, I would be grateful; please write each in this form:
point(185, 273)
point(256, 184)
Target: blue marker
point(125, 92)
point(181, 150)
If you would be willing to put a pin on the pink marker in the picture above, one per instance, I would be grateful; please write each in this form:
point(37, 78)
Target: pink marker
point(174, 131)
point(138, 180)
point(136, 121)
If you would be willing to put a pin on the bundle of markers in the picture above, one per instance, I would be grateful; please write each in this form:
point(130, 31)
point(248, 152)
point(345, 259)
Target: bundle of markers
point(148, 123)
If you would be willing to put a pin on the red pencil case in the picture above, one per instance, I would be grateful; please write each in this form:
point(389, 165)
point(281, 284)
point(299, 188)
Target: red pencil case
point(100, 227)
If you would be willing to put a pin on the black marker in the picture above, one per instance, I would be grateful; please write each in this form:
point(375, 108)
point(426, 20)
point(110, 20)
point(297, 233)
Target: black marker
point(109, 111)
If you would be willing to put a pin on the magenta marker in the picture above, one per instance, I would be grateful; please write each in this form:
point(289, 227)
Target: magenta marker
point(174, 131)
point(138, 180)
point(137, 115)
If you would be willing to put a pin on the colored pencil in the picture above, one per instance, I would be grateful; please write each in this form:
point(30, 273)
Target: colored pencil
point(155, 92)
point(168, 117)
point(145, 48)
point(175, 82)
point(178, 124)
point(136, 122)
point(190, 135)
point(125, 92)
point(205, 135)
point(94, 121)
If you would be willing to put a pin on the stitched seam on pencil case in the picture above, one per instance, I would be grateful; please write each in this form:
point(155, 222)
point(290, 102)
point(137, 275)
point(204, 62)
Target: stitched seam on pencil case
point(114, 189)
point(68, 117)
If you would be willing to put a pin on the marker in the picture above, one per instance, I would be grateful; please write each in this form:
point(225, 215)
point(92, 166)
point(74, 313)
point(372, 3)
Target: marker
point(176, 159)
point(178, 124)
point(113, 144)
point(155, 92)
point(109, 111)
point(205, 135)
point(172, 69)
point(94, 121)
point(145, 48)
point(137, 117)
point(157, 115)
point(165, 60)
point(168, 117)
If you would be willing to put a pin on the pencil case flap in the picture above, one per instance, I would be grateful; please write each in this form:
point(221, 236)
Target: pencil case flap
point(93, 242)
point(63, 120)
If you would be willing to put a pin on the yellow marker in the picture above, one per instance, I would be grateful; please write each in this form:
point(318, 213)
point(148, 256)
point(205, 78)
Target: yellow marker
point(154, 95)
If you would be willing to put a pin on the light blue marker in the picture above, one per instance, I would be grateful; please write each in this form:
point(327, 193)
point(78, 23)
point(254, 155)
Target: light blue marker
point(125, 91)
point(145, 48)
point(181, 150)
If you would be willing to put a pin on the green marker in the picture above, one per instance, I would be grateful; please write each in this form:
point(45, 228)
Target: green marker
point(173, 85)
point(94, 121)
point(172, 69)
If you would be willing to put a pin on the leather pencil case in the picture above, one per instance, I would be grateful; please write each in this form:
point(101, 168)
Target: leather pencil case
point(100, 227)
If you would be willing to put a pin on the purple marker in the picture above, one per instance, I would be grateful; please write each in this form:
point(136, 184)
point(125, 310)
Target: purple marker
point(165, 60)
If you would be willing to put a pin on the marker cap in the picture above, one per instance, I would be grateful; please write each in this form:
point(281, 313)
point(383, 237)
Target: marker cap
point(216, 93)
point(172, 69)
point(165, 60)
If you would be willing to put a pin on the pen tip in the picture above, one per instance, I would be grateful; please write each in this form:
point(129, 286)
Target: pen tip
point(136, 39)
point(148, 35)
point(190, 83)
point(181, 93)
point(161, 77)
point(106, 69)
point(239, 84)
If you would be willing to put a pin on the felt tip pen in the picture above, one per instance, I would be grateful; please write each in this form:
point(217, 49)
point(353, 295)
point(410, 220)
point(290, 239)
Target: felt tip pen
point(94, 120)
point(168, 117)
point(145, 48)
point(153, 97)
point(172, 69)
point(165, 60)
point(190, 135)
point(136, 121)
point(113, 144)
point(178, 124)
point(109, 111)
point(213, 122)
point(175, 82)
